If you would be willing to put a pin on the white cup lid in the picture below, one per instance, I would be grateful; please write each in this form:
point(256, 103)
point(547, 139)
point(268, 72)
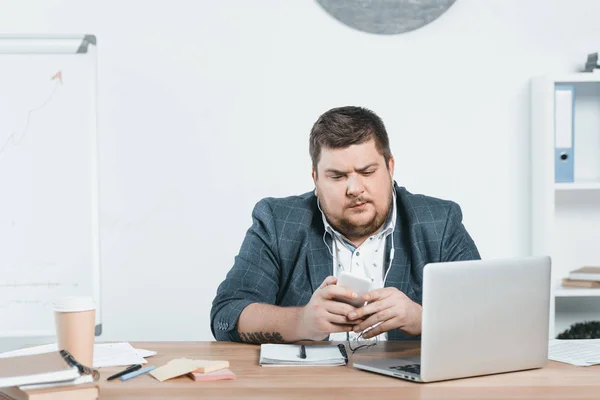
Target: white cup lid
point(74, 303)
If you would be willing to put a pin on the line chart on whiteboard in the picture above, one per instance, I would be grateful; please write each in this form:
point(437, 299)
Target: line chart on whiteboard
point(15, 138)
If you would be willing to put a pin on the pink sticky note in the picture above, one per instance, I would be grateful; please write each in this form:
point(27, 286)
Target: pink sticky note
point(221, 374)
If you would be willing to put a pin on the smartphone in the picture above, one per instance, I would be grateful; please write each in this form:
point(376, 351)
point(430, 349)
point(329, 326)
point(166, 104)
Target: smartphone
point(357, 284)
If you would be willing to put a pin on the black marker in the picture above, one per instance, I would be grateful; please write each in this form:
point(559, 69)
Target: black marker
point(125, 371)
point(302, 351)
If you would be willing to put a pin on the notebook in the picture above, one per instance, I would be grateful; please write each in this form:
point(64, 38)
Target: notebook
point(288, 355)
point(34, 369)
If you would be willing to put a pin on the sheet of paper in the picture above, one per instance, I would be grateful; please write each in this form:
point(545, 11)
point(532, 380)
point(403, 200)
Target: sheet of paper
point(582, 353)
point(116, 354)
point(145, 353)
point(105, 354)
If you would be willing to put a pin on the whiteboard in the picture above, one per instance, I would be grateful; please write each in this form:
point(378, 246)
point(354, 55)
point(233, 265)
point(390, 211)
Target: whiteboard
point(49, 233)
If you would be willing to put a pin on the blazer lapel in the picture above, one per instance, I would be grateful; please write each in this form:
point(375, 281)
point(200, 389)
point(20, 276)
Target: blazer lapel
point(320, 261)
point(399, 272)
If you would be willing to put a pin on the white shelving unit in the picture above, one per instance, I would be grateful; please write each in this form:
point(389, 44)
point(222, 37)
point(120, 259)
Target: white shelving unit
point(565, 217)
point(577, 186)
point(576, 292)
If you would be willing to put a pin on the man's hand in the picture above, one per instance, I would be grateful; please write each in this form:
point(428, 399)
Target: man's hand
point(391, 309)
point(323, 314)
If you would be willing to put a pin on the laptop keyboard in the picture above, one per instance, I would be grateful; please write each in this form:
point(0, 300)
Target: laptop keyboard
point(412, 368)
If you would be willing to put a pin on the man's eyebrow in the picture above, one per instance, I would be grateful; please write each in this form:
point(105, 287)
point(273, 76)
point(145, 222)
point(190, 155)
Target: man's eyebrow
point(338, 172)
point(363, 169)
point(334, 171)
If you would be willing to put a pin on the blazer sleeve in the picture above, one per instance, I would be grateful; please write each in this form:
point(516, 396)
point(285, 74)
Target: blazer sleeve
point(457, 244)
point(254, 277)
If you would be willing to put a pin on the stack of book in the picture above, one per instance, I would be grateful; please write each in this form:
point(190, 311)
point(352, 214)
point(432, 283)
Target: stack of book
point(49, 376)
point(584, 277)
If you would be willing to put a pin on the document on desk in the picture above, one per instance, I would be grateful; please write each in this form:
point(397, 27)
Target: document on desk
point(105, 354)
point(119, 354)
point(580, 352)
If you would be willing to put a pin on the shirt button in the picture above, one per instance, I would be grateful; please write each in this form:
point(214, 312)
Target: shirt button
point(357, 253)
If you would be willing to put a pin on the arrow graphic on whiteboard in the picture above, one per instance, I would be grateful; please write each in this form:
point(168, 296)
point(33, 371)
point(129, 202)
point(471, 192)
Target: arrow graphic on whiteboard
point(58, 76)
point(17, 137)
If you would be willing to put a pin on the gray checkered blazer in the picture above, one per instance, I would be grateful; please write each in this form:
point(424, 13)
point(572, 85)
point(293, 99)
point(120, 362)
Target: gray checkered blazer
point(283, 258)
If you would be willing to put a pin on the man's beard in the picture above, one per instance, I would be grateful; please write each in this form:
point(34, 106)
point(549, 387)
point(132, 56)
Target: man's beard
point(352, 231)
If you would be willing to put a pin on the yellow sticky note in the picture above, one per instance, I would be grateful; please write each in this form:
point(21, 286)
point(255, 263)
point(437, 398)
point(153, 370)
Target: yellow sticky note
point(206, 366)
point(174, 368)
point(182, 366)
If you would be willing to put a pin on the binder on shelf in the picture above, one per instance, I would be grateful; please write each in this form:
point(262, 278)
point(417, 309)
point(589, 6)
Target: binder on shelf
point(564, 132)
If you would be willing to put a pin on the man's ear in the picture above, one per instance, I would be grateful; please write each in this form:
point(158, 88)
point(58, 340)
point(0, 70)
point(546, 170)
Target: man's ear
point(391, 165)
point(314, 177)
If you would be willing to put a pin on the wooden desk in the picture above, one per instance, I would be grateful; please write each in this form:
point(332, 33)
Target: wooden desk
point(555, 381)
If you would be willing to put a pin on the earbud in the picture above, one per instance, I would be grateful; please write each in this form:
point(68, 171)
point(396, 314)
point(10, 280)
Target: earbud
point(391, 259)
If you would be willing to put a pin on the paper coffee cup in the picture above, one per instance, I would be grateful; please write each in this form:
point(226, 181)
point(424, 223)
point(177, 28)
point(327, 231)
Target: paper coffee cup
point(75, 319)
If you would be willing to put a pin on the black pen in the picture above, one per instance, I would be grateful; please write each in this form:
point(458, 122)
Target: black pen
point(302, 351)
point(125, 371)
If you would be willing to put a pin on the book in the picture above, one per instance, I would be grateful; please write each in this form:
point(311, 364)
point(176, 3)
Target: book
point(34, 369)
point(585, 274)
point(566, 282)
point(280, 355)
point(74, 392)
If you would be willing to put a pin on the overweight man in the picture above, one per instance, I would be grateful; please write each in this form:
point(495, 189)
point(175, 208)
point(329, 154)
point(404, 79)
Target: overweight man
point(282, 286)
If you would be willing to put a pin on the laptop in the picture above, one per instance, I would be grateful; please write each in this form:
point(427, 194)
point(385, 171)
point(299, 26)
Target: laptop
point(479, 317)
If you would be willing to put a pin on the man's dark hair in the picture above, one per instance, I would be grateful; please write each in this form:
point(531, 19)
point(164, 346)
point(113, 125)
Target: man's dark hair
point(344, 126)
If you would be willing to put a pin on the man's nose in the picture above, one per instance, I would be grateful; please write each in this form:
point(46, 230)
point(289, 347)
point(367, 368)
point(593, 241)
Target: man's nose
point(355, 186)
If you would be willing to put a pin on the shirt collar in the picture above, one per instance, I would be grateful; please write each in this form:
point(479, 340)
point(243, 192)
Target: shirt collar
point(387, 227)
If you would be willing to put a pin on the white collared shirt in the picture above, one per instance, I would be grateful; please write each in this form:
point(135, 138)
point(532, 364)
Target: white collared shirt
point(368, 260)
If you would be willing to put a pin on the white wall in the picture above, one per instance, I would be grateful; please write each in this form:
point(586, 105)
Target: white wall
point(205, 107)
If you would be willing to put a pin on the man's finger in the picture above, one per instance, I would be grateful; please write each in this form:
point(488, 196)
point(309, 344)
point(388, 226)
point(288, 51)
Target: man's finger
point(380, 316)
point(333, 291)
point(369, 309)
point(340, 320)
point(339, 308)
point(379, 294)
point(330, 280)
point(381, 328)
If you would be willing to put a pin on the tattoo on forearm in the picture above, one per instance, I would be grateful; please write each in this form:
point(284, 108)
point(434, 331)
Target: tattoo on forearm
point(261, 337)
